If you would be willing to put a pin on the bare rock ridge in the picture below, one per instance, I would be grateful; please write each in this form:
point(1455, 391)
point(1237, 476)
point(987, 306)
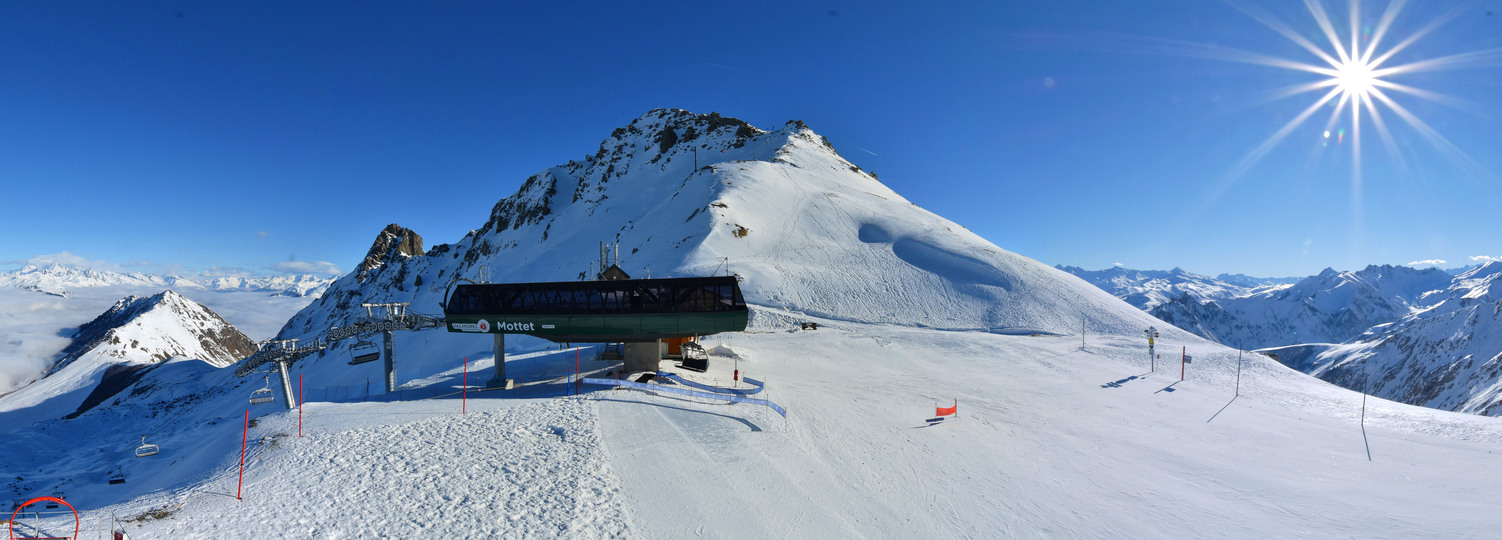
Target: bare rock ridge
point(394, 243)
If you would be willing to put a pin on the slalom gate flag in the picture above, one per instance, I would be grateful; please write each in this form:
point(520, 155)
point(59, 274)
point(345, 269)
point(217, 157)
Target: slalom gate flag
point(946, 411)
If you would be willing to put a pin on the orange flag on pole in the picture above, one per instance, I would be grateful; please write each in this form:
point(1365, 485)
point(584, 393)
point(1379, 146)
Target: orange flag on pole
point(946, 411)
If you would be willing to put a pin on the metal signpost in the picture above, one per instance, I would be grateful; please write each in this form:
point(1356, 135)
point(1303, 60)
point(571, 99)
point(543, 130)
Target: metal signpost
point(1152, 333)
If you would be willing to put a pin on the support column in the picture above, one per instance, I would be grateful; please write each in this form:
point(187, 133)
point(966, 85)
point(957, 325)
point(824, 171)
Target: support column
point(499, 380)
point(286, 386)
point(643, 356)
point(387, 338)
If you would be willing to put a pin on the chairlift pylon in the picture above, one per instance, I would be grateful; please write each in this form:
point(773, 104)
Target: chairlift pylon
point(263, 395)
point(146, 449)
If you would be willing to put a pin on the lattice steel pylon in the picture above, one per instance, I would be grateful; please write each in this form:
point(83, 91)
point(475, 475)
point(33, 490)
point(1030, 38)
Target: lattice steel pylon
point(394, 316)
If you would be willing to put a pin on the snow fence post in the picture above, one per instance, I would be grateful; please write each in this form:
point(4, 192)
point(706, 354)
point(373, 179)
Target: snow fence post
point(1366, 387)
point(1238, 373)
point(245, 438)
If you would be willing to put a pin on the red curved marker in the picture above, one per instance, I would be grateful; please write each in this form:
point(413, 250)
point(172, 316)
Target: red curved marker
point(13, 515)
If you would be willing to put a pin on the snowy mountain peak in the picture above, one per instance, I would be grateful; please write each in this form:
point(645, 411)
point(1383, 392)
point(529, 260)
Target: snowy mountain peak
point(154, 328)
point(130, 339)
point(810, 233)
point(1491, 268)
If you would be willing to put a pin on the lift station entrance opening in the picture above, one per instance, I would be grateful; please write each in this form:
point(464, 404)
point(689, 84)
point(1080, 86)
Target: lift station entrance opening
point(632, 311)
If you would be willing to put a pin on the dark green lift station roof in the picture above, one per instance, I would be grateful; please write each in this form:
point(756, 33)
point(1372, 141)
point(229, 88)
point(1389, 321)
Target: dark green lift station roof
point(630, 310)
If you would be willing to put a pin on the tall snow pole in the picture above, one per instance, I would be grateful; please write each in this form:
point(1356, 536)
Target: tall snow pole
point(244, 439)
point(1183, 361)
point(300, 396)
point(1366, 388)
point(464, 389)
point(1238, 373)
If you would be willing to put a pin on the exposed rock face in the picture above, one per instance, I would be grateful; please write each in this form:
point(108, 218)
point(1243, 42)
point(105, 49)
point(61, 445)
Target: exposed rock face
point(395, 243)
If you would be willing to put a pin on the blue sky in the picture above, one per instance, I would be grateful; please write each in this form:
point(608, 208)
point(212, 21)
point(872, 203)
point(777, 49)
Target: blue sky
point(269, 136)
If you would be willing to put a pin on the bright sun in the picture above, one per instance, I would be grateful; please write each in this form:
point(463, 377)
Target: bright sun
point(1356, 81)
point(1355, 78)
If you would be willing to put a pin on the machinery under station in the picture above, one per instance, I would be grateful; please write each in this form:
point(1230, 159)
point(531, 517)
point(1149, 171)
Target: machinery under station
point(648, 319)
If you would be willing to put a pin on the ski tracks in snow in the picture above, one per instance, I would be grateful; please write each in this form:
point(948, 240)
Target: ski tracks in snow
point(529, 471)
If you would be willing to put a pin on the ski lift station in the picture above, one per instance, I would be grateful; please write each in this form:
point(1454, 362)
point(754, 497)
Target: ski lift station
point(650, 317)
point(642, 313)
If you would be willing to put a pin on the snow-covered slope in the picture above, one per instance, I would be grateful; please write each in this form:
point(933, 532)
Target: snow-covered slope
point(1053, 439)
point(63, 280)
point(106, 354)
point(807, 231)
point(1050, 441)
point(1448, 356)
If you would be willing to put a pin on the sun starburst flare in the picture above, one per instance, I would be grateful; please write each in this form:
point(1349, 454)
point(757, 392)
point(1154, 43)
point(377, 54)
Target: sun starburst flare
point(1357, 82)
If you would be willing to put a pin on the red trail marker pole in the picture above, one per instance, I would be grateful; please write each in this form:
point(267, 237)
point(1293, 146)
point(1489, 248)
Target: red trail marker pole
point(245, 438)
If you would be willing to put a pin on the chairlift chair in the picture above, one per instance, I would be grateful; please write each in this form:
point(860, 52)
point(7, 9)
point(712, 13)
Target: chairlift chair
point(263, 395)
point(362, 352)
point(694, 357)
point(146, 449)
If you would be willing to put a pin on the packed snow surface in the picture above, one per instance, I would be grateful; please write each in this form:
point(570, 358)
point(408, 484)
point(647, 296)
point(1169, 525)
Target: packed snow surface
point(1050, 440)
point(1057, 435)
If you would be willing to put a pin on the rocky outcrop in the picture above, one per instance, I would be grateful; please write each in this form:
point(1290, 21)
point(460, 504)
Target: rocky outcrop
point(394, 244)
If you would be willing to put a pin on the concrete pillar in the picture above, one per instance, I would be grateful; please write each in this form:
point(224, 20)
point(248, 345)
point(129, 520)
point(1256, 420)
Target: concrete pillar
point(387, 338)
point(499, 380)
point(287, 397)
point(643, 356)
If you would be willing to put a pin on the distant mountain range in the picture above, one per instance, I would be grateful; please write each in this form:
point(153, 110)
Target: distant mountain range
point(1147, 289)
point(60, 280)
point(1420, 336)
